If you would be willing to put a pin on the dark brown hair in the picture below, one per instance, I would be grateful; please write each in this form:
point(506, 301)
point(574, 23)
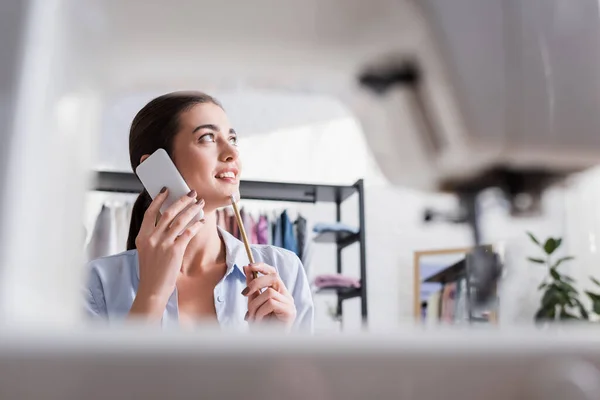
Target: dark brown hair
point(155, 127)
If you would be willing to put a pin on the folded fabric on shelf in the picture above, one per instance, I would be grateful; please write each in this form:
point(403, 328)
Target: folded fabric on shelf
point(336, 280)
point(334, 227)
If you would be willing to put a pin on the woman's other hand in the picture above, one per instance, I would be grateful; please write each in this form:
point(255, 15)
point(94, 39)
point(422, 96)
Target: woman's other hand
point(160, 251)
point(275, 302)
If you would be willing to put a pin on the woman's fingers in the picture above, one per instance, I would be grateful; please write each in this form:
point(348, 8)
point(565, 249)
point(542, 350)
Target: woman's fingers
point(261, 282)
point(272, 306)
point(249, 278)
point(184, 239)
point(183, 219)
point(153, 211)
point(267, 295)
point(267, 270)
point(167, 217)
point(262, 268)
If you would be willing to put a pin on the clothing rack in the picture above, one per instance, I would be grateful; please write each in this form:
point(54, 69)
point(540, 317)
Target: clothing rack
point(124, 182)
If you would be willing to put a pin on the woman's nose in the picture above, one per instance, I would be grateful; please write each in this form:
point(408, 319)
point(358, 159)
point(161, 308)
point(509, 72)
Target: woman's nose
point(229, 153)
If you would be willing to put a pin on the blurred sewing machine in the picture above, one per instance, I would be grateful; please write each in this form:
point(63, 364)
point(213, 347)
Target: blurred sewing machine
point(501, 92)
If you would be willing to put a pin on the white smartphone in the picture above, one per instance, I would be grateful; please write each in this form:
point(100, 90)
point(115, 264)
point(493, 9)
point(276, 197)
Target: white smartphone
point(158, 171)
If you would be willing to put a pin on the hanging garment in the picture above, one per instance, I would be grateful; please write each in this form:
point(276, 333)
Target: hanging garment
point(122, 216)
point(247, 224)
point(336, 281)
point(104, 236)
point(278, 232)
point(129, 209)
point(262, 230)
point(300, 234)
point(289, 237)
point(253, 230)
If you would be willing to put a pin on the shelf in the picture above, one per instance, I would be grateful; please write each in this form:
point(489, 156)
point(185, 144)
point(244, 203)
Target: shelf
point(343, 239)
point(297, 192)
point(343, 293)
point(117, 182)
point(450, 274)
point(253, 190)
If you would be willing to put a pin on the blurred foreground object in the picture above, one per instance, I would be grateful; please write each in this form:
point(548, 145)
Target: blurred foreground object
point(468, 365)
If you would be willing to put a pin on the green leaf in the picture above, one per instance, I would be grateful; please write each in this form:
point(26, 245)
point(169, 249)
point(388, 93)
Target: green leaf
point(542, 286)
point(567, 278)
point(560, 294)
point(555, 274)
point(593, 296)
point(566, 288)
point(596, 306)
point(536, 260)
point(534, 239)
point(558, 242)
point(565, 315)
point(551, 297)
point(561, 260)
point(564, 300)
point(582, 310)
point(595, 301)
point(551, 245)
point(595, 281)
point(545, 313)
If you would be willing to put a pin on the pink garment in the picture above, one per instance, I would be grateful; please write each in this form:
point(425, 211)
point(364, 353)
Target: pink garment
point(248, 225)
point(252, 230)
point(262, 230)
point(336, 280)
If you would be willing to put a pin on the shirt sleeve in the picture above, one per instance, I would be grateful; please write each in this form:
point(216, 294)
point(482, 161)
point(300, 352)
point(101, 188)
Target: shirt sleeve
point(94, 304)
point(305, 309)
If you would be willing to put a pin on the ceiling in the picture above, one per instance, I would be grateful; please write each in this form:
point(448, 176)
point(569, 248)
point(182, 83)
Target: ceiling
point(264, 43)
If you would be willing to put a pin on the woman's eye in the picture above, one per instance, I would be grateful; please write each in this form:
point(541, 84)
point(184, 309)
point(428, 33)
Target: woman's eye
point(207, 137)
point(233, 140)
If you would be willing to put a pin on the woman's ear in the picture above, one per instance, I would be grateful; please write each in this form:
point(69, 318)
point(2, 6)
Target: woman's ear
point(144, 158)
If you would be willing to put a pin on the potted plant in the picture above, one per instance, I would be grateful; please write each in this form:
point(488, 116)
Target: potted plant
point(561, 300)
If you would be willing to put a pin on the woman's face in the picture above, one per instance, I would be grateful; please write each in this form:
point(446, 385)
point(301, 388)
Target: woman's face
point(205, 152)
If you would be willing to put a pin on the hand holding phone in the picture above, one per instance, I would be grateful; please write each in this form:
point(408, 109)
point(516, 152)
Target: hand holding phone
point(160, 252)
point(161, 245)
point(158, 171)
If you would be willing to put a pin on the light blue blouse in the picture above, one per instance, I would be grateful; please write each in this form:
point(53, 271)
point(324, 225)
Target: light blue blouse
point(113, 283)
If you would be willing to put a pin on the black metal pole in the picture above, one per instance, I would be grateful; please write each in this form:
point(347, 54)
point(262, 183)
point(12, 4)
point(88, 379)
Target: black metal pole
point(363, 250)
point(338, 218)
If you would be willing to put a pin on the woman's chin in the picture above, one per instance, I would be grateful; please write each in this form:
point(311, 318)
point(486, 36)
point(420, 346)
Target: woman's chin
point(226, 195)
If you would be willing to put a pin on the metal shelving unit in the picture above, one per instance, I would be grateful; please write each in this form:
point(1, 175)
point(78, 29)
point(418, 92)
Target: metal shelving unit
point(124, 182)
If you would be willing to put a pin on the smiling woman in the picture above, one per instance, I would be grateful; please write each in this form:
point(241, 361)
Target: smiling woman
point(202, 274)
